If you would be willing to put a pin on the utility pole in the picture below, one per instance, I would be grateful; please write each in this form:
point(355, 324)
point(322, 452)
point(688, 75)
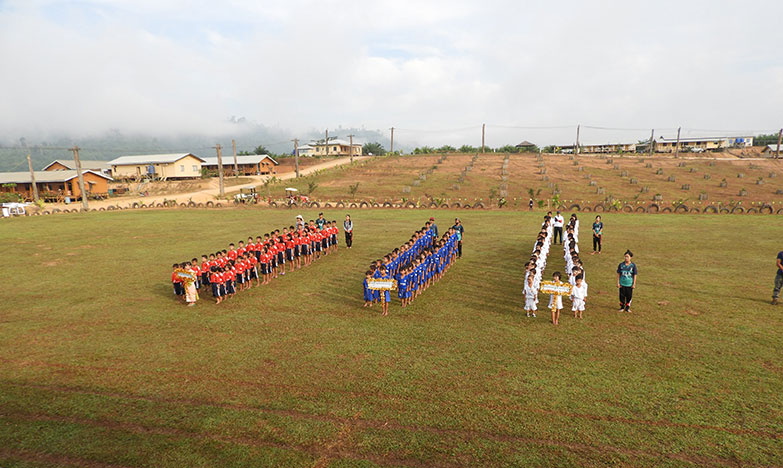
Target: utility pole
point(576, 150)
point(222, 191)
point(777, 152)
point(326, 142)
point(296, 155)
point(677, 147)
point(483, 131)
point(236, 166)
point(350, 147)
point(75, 150)
point(392, 140)
point(652, 141)
point(32, 177)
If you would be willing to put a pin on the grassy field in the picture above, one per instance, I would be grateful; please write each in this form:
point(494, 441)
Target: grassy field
point(101, 367)
point(386, 178)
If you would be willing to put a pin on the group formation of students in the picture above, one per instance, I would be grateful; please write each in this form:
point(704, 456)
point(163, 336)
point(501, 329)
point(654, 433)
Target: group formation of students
point(247, 265)
point(415, 265)
point(574, 268)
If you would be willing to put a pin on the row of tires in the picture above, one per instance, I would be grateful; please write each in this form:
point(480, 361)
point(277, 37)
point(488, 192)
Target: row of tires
point(598, 208)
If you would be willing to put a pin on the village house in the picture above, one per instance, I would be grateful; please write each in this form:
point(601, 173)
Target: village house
point(55, 185)
point(335, 147)
point(87, 165)
point(669, 145)
point(608, 148)
point(253, 164)
point(157, 166)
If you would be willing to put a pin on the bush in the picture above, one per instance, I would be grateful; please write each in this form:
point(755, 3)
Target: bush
point(10, 197)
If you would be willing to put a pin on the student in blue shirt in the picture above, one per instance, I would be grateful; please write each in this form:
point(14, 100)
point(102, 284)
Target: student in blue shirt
point(386, 298)
point(367, 291)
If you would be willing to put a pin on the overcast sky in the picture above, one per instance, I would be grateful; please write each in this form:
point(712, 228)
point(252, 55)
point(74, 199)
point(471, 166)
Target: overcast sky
point(435, 70)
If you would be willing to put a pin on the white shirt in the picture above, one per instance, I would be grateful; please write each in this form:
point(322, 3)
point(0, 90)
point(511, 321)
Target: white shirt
point(579, 292)
point(558, 221)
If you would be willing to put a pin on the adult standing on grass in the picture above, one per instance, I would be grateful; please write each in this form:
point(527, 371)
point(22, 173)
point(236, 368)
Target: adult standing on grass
point(598, 232)
point(558, 222)
point(460, 230)
point(300, 224)
point(626, 281)
point(348, 228)
point(434, 227)
point(778, 279)
point(320, 221)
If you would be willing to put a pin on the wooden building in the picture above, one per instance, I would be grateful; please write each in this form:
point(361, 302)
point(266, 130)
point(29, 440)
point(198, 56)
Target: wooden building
point(526, 147)
point(87, 165)
point(157, 166)
point(253, 164)
point(55, 185)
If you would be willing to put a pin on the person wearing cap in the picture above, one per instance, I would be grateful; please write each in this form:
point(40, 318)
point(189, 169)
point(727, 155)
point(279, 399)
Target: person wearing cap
point(320, 221)
point(300, 224)
point(558, 222)
point(348, 228)
point(434, 227)
point(460, 230)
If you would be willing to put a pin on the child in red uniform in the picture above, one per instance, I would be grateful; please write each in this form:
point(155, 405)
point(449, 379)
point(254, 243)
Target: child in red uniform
point(215, 280)
point(289, 252)
point(179, 291)
point(232, 253)
point(205, 266)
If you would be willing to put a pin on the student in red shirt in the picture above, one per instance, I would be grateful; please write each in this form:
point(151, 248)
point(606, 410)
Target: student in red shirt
point(241, 249)
point(289, 252)
point(232, 254)
point(239, 274)
point(204, 270)
point(179, 290)
point(216, 280)
point(253, 261)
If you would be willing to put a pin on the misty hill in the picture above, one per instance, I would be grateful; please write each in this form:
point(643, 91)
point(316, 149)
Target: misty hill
point(114, 143)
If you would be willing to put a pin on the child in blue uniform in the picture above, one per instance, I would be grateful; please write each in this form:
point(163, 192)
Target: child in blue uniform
point(386, 294)
point(402, 286)
point(367, 290)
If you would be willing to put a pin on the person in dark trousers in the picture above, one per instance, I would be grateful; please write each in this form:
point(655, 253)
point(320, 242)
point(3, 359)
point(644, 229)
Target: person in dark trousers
point(348, 228)
point(434, 227)
point(460, 230)
point(626, 281)
point(558, 222)
point(598, 232)
point(778, 279)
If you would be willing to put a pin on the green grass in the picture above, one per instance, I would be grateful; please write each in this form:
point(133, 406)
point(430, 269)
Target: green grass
point(101, 367)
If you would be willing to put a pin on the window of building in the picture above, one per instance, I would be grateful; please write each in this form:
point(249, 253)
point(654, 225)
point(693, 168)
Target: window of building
point(181, 168)
point(195, 168)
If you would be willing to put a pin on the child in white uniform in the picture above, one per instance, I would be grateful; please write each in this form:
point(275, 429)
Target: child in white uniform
point(556, 299)
point(578, 296)
point(531, 297)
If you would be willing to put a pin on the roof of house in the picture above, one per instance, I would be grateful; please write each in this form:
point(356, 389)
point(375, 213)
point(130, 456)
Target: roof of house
point(772, 147)
point(244, 159)
point(44, 176)
point(336, 141)
point(525, 143)
point(150, 159)
point(86, 164)
point(674, 140)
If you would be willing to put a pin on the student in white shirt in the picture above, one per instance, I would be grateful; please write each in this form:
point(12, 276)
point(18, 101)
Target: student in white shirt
point(578, 296)
point(531, 297)
point(558, 225)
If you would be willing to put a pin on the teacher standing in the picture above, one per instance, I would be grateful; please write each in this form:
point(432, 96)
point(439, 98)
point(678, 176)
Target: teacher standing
point(348, 228)
point(626, 281)
point(460, 231)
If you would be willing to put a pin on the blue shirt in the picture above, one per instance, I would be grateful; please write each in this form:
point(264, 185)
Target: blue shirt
point(780, 257)
point(598, 228)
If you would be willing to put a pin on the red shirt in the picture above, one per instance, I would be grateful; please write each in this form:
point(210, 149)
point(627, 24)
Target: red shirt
point(289, 244)
point(253, 261)
point(239, 268)
point(215, 278)
point(195, 269)
point(174, 278)
point(205, 267)
point(232, 254)
point(241, 251)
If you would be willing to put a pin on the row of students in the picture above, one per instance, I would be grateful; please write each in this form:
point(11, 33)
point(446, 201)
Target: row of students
point(575, 268)
point(536, 265)
point(259, 261)
point(415, 266)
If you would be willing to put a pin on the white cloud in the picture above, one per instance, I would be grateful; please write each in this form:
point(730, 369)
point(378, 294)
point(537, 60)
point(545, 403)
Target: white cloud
point(182, 66)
